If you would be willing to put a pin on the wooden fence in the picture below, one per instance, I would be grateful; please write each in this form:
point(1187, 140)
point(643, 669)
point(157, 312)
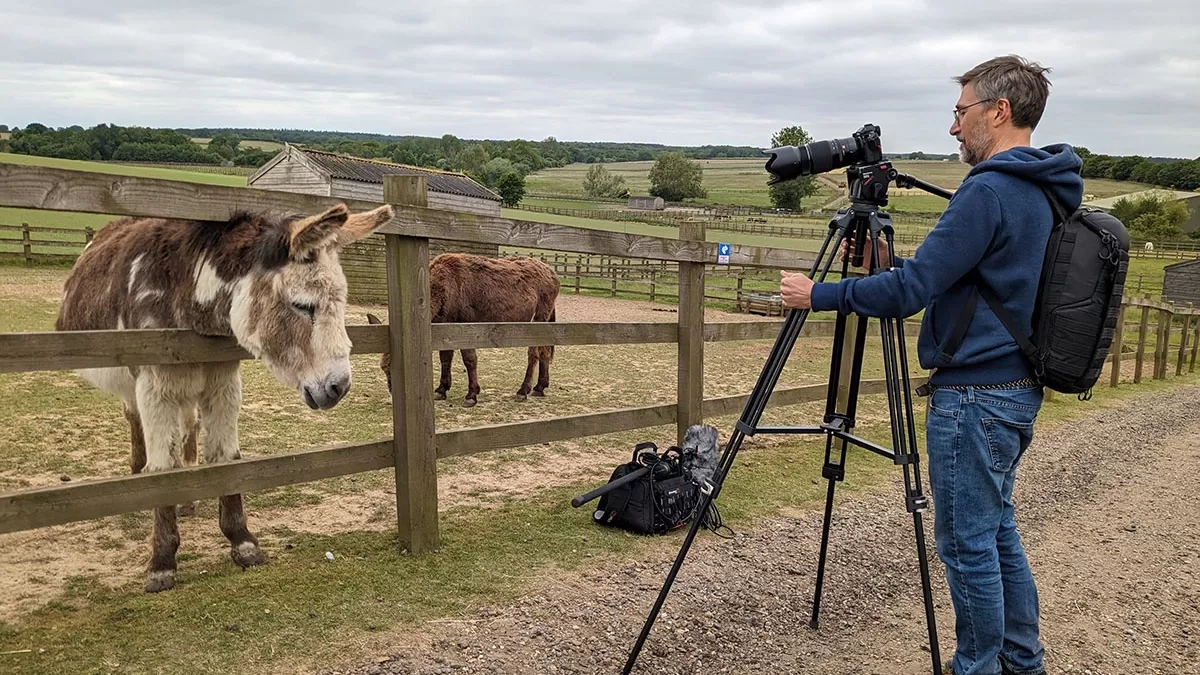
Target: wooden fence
point(416, 446)
point(27, 238)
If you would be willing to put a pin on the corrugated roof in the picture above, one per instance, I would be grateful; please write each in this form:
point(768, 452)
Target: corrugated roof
point(373, 171)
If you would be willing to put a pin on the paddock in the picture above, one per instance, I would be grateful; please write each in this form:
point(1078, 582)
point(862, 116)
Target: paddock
point(407, 440)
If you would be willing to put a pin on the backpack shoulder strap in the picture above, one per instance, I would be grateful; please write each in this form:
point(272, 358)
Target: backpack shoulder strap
point(980, 287)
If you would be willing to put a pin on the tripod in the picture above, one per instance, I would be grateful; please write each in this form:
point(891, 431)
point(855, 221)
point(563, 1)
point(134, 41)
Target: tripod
point(861, 220)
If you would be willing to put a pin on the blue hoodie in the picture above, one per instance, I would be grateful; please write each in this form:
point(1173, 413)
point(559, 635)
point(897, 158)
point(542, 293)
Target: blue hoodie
point(998, 221)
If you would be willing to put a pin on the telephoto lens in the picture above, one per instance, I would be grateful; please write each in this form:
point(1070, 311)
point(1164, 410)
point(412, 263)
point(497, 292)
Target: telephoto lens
point(791, 161)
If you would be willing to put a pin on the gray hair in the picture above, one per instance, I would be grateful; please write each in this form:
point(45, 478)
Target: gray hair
point(1022, 82)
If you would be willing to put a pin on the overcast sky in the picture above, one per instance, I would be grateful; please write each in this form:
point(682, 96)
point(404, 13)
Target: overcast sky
point(1126, 74)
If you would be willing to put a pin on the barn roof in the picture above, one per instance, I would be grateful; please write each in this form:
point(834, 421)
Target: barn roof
point(346, 167)
point(1184, 263)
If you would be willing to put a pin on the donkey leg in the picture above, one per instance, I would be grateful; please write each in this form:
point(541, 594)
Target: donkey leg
point(527, 384)
point(545, 356)
point(447, 358)
point(160, 423)
point(191, 429)
point(219, 405)
point(471, 363)
point(137, 441)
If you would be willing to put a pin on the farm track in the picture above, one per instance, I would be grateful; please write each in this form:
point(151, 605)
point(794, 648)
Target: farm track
point(1103, 505)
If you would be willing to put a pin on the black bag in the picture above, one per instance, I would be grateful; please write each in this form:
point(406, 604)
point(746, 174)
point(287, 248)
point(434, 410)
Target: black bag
point(1078, 300)
point(664, 498)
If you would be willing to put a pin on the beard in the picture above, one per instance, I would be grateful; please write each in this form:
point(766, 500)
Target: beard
point(975, 146)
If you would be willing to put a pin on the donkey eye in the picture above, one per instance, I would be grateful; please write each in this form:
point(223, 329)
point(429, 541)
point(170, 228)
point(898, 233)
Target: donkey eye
point(304, 309)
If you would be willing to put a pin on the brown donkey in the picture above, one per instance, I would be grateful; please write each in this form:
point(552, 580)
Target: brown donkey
point(271, 281)
point(466, 288)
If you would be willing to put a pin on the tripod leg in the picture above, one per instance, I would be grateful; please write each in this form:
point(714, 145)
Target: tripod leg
point(746, 425)
point(906, 453)
point(836, 472)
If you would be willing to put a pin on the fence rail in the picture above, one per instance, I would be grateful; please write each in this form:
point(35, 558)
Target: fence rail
point(416, 446)
point(26, 238)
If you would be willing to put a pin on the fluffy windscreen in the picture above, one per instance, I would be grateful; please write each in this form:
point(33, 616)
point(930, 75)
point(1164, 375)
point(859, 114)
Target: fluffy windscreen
point(700, 452)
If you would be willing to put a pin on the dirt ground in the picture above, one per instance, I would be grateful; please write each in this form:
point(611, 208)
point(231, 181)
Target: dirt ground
point(38, 565)
point(1104, 504)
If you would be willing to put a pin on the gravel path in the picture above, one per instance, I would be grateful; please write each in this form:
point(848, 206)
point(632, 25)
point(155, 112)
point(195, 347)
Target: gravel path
point(1105, 506)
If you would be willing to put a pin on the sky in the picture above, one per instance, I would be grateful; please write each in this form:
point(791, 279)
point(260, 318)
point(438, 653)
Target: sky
point(1125, 75)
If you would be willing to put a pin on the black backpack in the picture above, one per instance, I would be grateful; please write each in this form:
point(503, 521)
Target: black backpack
point(1078, 300)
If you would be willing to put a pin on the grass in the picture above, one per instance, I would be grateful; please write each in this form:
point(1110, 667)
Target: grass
point(500, 537)
point(742, 182)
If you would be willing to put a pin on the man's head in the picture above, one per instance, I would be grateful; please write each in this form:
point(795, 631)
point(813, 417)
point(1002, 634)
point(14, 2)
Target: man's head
point(1001, 103)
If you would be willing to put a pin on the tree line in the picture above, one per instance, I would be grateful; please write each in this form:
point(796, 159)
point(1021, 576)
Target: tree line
point(1181, 174)
point(109, 142)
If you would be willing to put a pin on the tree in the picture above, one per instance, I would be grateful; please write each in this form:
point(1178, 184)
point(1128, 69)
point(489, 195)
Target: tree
point(674, 177)
point(787, 195)
point(600, 183)
point(511, 187)
point(1154, 216)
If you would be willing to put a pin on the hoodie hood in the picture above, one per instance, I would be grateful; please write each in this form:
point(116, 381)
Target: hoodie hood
point(1055, 167)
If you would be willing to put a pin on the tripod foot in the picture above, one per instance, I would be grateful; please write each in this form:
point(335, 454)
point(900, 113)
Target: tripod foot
point(813, 623)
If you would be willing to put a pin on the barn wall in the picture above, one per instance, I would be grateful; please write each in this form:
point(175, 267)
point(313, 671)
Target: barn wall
point(364, 265)
point(1181, 284)
point(482, 207)
point(290, 175)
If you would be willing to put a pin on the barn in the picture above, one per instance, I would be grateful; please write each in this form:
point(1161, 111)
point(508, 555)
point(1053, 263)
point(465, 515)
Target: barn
point(1181, 282)
point(647, 203)
point(308, 171)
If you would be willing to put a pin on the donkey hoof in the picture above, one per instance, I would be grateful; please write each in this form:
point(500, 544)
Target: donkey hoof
point(439, 396)
point(521, 397)
point(185, 510)
point(539, 392)
point(161, 580)
point(247, 554)
point(469, 403)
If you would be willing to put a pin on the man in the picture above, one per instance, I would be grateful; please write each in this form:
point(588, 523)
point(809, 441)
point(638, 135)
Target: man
point(984, 401)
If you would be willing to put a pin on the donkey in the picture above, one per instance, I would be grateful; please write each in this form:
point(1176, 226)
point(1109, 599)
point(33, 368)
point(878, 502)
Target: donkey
point(468, 288)
point(272, 281)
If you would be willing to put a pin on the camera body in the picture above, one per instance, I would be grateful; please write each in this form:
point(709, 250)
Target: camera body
point(791, 161)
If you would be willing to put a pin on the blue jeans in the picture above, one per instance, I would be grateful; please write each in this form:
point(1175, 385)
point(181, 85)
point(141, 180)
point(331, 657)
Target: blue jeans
point(975, 439)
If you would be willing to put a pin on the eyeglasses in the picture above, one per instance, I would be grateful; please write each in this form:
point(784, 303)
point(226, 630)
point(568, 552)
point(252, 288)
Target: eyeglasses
point(958, 112)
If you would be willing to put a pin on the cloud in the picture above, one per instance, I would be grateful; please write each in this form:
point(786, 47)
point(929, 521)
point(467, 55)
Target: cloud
point(1126, 75)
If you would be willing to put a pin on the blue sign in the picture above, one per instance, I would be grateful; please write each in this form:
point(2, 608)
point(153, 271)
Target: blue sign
point(723, 254)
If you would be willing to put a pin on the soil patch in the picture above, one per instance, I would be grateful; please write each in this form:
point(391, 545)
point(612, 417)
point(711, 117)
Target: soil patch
point(1110, 527)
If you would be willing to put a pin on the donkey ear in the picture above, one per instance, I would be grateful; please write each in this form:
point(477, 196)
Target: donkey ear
point(360, 225)
point(315, 232)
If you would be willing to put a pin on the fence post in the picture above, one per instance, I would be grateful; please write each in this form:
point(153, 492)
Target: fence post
point(26, 244)
point(1183, 339)
point(1162, 336)
point(653, 276)
point(1195, 347)
point(1118, 339)
point(690, 387)
point(411, 345)
point(88, 233)
point(1141, 350)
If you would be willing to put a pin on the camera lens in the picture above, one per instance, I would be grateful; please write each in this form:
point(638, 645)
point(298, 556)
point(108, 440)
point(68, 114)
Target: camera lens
point(791, 161)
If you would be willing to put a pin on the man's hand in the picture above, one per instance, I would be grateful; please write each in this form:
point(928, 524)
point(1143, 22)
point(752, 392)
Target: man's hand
point(885, 258)
point(796, 289)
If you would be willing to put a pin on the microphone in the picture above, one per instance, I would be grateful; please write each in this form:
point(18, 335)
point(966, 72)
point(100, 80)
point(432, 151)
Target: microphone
point(701, 454)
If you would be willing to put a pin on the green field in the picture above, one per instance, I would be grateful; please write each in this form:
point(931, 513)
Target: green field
point(742, 182)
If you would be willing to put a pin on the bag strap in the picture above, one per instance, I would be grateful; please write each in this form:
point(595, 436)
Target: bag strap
point(980, 287)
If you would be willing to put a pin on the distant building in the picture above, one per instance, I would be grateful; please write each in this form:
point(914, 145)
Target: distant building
point(647, 203)
point(329, 174)
point(1181, 283)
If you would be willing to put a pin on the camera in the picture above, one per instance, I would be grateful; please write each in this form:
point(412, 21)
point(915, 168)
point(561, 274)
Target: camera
point(791, 161)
